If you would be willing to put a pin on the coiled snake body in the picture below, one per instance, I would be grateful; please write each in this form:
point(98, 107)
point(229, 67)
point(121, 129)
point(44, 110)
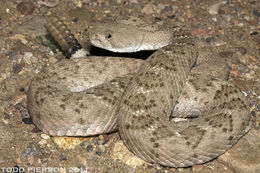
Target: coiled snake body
point(167, 111)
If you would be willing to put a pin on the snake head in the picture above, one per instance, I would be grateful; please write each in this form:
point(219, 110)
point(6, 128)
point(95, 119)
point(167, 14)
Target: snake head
point(116, 37)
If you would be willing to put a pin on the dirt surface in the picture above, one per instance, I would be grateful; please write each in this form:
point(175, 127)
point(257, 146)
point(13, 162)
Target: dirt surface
point(232, 27)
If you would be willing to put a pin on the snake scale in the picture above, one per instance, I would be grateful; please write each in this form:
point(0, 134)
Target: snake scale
point(174, 109)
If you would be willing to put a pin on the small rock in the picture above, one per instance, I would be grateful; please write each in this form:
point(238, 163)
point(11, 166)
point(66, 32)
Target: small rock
point(219, 42)
point(122, 153)
point(36, 130)
point(52, 59)
point(27, 121)
point(244, 85)
point(89, 148)
point(256, 13)
point(242, 50)
point(251, 59)
point(62, 157)
point(242, 69)
point(49, 3)
point(98, 152)
point(27, 57)
point(235, 73)
point(168, 9)
point(134, 1)
point(149, 9)
point(81, 17)
point(253, 113)
point(214, 9)
point(258, 107)
point(42, 142)
point(44, 136)
point(173, 169)
point(19, 37)
point(209, 39)
point(160, 6)
point(30, 151)
point(188, 14)
point(197, 168)
point(31, 159)
point(33, 27)
point(244, 157)
point(17, 68)
point(68, 142)
point(102, 148)
point(254, 33)
point(228, 17)
point(26, 8)
point(199, 32)
point(12, 55)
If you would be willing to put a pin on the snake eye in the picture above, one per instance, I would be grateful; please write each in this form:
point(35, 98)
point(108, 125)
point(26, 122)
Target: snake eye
point(108, 36)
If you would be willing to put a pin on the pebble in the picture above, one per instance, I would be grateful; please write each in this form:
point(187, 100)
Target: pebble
point(254, 33)
point(242, 69)
point(12, 55)
point(199, 32)
point(49, 3)
point(197, 168)
point(149, 9)
point(29, 151)
point(17, 68)
point(219, 43)
point(26, 7)
point(63, 157)
point(89, 148)
point(52, 59)
point(68, 142)
point(44, 136)
point(258, 107)
point(245, 155)
point(214, 9)
point(36, 130)
point(102, 148)
point(121, 153)
point(160, 6)
point(133, 1)
point(31, 159)
point(79, 19)
point(42, 142)
point(27, 121)
point(256, 13)
point(242, 50)
point(33, 27)
point(209, 39)
point(228, 17)
point(99, 152)
point(19, 37)
point(27, 57)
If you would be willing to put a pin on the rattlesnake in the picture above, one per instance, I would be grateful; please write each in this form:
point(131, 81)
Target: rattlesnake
point(167, 111)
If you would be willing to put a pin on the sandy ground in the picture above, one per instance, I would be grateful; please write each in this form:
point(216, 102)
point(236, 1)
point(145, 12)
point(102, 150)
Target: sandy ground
point(232, 27)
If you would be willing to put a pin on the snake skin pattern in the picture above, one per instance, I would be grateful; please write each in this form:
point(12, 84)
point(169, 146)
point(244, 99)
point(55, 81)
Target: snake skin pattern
point(174, 109)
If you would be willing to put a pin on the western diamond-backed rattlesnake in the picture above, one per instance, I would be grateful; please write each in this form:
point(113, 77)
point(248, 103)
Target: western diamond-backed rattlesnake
point(166, 113)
